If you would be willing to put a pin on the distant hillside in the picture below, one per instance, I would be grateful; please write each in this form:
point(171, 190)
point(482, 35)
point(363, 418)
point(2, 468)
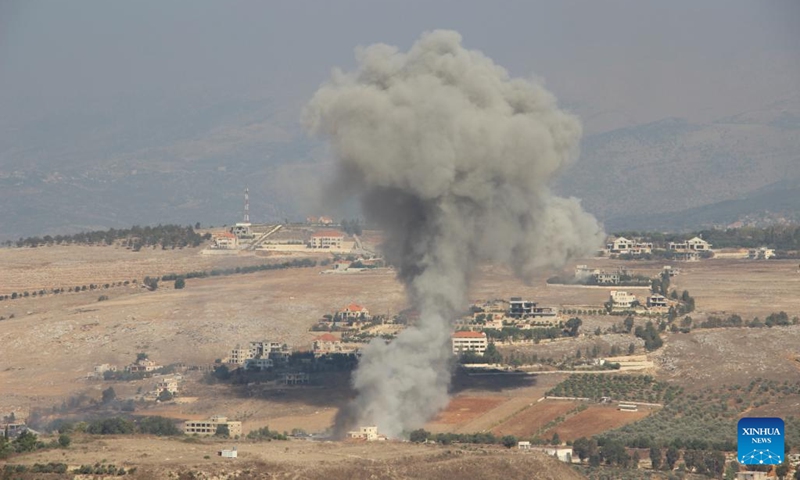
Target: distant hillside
point(732, 166)
point(190, 162)
point(774, 204)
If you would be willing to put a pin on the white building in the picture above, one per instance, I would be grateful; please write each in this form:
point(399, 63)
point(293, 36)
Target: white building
point(354, 310)
point(327, 239)
point(225, 241)
point(695, 244)
point(622, 300)
point(209, 427)
point(239, 355)
point(762, 253)
point(562, 453)
point(169, 384)
point(469, 341)
point(369, 433)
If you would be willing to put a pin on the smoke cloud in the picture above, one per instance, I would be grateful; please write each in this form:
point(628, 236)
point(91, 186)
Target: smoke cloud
point(452, 158)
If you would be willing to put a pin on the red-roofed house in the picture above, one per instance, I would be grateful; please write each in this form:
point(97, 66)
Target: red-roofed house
point(327, 343)
point(469, 341)
point(327, 239)
point(354, 311)
point(225, 241)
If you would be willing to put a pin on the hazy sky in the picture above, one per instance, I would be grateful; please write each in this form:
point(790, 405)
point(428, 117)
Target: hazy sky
point(615, 62)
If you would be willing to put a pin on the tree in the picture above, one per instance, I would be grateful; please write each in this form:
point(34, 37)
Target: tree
point(222, 430)
point(179, 283)
point(509, 441)
point(655, 457)
point(631, 349)
point(572, 326)
point(25, 442)
point(64, 440)
point(556, 440)
point(418, 436)
point(141, 356)
point(628, 323)
point(491, 355)
point(165, 396)
point(158, 426)
point(109, 395)
point(672, 457)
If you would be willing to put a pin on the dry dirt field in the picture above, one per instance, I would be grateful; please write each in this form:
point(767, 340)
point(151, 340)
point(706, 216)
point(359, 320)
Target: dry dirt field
point(157, 458)
point(595, 419)
point(464, 409)
point(527, 422)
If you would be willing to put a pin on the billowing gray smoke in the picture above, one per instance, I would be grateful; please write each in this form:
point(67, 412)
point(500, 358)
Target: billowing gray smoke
point(452, 158)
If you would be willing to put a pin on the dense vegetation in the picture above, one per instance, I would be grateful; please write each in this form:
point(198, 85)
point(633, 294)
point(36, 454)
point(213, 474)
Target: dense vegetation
point(634, 388)
point(136, 237)
point(218, 272)
point(708, 419)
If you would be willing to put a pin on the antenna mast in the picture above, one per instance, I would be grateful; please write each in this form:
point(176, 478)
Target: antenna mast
point(246, 205)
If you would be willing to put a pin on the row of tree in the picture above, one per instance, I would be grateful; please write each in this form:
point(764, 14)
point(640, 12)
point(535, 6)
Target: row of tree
point(136, 237)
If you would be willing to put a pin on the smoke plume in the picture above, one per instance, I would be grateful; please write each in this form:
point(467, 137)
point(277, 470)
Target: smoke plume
point(452, 158)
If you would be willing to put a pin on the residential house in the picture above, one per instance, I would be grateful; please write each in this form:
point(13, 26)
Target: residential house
point(524, 445)
point(762, 253)
point(519, 308)
point(260, 364)
point(169, 384)
point(143, 365)
point(695, 244)
point(326, 344)
point(369, 433)
point(622, 300)
point(469, 341)
point(620, 245)
point(641, 248)
point(327, 239)
point(225, 241)
point(209, 427)
point(277, 351)
point(657, 301)
point(354, 312)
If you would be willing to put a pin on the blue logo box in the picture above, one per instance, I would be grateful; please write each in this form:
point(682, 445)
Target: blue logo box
point(760, 441)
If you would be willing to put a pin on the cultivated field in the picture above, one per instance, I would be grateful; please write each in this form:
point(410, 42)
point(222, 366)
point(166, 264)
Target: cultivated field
point(528, 422)
point(595, 419)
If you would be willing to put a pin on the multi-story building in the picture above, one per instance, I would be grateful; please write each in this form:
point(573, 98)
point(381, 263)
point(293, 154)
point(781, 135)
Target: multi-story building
point(258, 364)
point(469, 341)
point(622, 300)
point(169, 384)
point(327, 239)
point(209, 427)
point(239, 355)
point(657, 301)
point(327, 343)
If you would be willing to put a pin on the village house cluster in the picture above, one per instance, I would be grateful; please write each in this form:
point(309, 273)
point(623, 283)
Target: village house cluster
point(688, 250)
point(515, 312)
point(260, 355)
